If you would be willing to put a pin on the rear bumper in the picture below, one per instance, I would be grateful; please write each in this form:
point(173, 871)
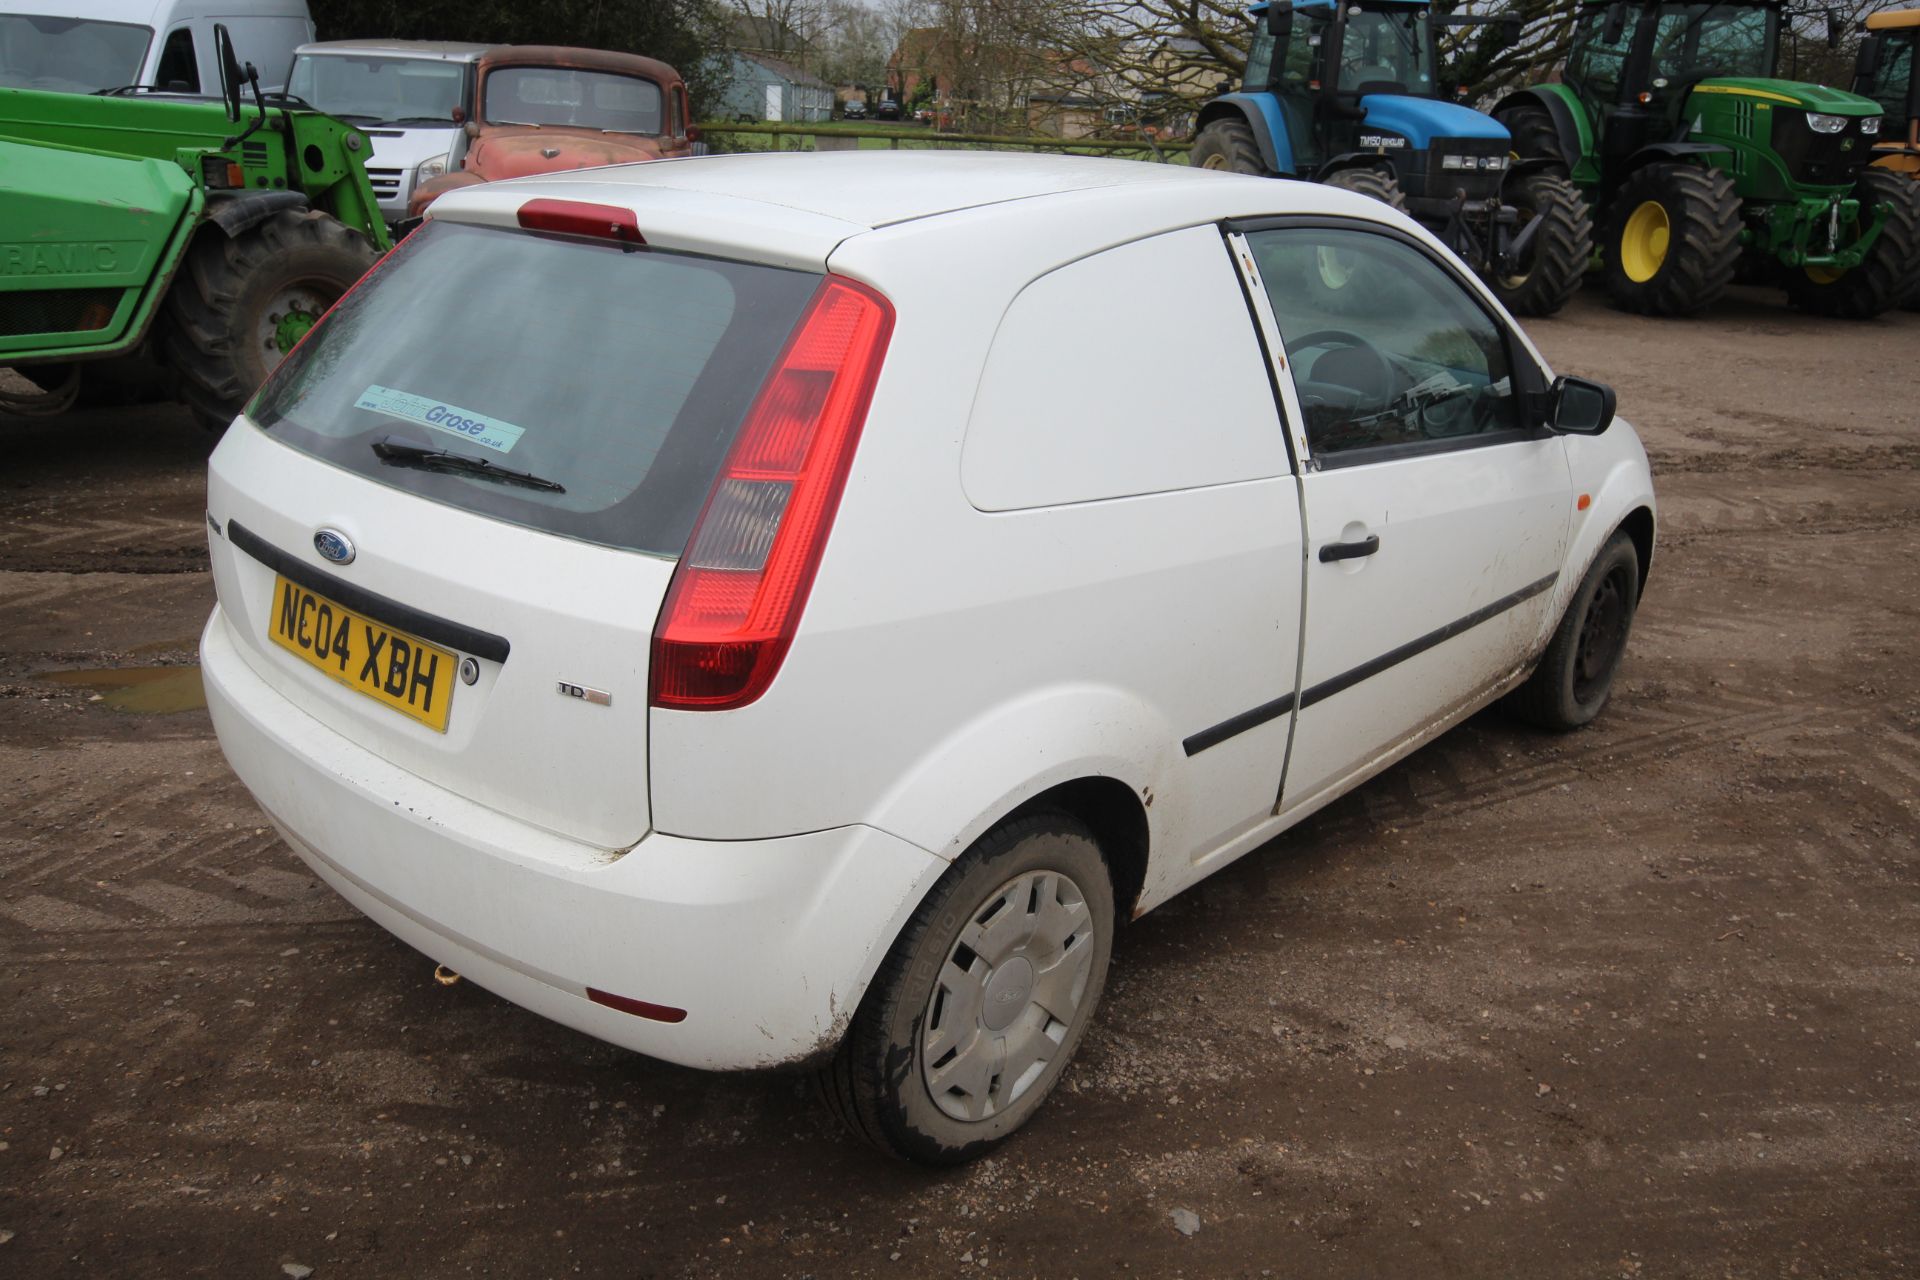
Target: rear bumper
point(766, 944)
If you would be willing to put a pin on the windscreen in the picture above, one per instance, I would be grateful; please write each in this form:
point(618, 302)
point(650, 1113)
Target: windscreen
point(1889, 85)
point(611, 380)
point(375, 91)
point(1694, 41)
point(1386, 52)
point(69, 55)
point(579, 99)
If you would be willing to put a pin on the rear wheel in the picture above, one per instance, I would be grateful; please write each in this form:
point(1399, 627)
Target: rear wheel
point(982, 999)
point(1534, 137)
point(241, 303)
point(1575, 677)
point(1549, 272)
point(1229, 145)
point(1890, 274)
point(1673, 240)
point(1378, 183)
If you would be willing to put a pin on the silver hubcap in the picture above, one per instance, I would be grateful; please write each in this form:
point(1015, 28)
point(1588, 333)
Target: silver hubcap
point(1007, 995)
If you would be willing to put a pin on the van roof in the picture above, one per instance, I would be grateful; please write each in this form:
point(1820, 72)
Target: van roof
point(864, 189)
point(796, 209)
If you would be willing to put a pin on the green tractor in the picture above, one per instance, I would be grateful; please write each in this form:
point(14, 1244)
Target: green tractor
point(1702, 166)
point(148, 239)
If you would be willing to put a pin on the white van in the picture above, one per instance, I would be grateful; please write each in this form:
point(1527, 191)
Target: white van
point(85, 46)
point(764, 610)
point(410, 97)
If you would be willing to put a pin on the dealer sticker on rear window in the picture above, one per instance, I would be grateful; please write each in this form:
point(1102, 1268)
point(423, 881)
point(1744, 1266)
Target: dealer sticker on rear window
point(450, 418)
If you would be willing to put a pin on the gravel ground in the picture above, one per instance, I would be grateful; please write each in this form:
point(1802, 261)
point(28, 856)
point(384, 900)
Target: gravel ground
point(1640, 1001)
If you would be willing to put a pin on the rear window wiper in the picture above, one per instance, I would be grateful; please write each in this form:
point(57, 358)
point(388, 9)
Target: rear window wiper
point(395, 454)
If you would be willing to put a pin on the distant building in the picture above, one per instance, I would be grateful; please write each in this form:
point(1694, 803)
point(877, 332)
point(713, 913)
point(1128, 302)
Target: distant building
point(760, 87)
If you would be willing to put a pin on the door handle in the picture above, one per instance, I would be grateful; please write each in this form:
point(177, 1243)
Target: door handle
point(1350, 550)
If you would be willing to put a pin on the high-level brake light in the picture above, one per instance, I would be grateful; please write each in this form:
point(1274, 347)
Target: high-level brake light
point(579, 218)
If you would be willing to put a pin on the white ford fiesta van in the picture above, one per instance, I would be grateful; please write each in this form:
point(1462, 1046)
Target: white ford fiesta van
point(791, 609)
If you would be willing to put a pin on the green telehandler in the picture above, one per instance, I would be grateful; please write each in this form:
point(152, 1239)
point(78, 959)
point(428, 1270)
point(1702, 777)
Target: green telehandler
point(1702, 166)
point(147, 239)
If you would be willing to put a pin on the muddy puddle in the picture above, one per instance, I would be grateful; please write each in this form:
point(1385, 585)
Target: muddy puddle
point(141, 690)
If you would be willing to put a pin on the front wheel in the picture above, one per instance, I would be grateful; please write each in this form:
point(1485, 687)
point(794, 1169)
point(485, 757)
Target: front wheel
point(1889, 276)
point(1548, 273)
point(240, 304)
point(1571, 685)
point(982, 999)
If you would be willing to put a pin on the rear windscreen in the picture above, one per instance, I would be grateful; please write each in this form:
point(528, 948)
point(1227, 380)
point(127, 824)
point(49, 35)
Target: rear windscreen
point(617, 374)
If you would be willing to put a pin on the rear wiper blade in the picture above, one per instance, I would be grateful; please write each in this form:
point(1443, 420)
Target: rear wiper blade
point(395, 454)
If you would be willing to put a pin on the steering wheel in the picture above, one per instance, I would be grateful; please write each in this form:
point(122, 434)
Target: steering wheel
point(1342, 340)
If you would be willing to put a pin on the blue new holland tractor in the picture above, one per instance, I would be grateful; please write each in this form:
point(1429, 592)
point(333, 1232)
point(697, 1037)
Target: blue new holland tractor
point(1350, 94)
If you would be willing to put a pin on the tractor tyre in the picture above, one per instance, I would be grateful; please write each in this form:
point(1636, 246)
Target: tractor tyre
point(1534, 137)
point(1673, 240)
point(240, 303)
point(1378, 183)
point(1557, 257)
point(1229, 145)
point(1888, 277)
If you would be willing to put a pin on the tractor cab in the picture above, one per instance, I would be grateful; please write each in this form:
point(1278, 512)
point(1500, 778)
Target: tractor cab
point(1886, 73)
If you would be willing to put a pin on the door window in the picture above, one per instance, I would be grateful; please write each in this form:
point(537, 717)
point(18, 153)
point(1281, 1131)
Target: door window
point(178, 71)
point(1595, 66)
point(1386, 349)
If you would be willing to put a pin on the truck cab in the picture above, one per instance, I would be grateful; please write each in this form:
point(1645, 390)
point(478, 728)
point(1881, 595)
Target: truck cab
point(411, 97)
point(164, 46)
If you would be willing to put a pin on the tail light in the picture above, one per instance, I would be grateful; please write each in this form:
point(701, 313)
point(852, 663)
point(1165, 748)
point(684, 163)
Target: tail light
point(738, 592)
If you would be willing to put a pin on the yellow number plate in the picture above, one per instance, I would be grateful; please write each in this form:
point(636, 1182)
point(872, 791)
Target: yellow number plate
point(407, 674)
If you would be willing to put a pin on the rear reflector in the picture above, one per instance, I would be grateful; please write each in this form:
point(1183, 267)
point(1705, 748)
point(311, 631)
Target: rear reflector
point(578, 218)
point(638, 1008)
point(738, 592)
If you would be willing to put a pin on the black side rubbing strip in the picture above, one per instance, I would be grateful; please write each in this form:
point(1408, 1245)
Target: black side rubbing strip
point(428, 626)
point(1237, 725)
point(1266, 711)
point(1393, 657)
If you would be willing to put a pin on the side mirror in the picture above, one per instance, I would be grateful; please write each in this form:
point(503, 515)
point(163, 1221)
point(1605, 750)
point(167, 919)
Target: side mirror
point(231, 76)
point(1834, 29)
point(1280, 19)
point(1616, 23)
point(1869, 65)
point(1579, 406)
point(693, 133)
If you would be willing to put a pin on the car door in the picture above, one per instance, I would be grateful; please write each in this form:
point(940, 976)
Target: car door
point(1436, 506)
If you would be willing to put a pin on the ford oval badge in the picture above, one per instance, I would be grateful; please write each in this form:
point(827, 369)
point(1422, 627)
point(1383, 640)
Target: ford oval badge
point(334, 545)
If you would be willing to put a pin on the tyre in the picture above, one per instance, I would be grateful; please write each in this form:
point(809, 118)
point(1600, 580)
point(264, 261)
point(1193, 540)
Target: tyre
point(982, 999)
point(1534, 135)
point(1378, 183)
point(1229, 145)
point(1556, 258)
point(240, 303)
point(1673, 240)
point(1889, 275)
point(1575, 676)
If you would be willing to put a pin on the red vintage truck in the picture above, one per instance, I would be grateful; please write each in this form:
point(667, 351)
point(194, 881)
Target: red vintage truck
point(543, 108)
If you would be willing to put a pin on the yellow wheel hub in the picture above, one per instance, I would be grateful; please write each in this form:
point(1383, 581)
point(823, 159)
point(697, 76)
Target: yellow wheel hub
point(1214, 161)
point(1643, 243)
